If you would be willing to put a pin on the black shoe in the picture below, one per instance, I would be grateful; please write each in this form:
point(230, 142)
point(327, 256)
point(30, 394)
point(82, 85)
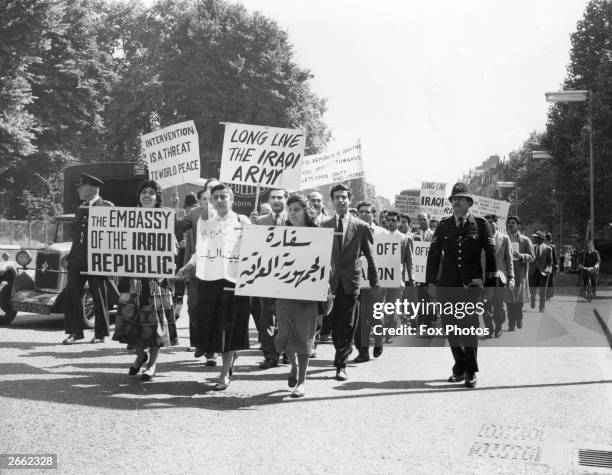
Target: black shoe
point(268, 363)
point(519, 325)
point(286, 359)
point(211, 361)
point(498, 332)
point(456, 378)
point(313, 354)
point(133, 371)
point(341, 374)
point(361, 359)
point(97, 340)
point(470, 380)
point(199, 352)
point(510, 328)
point(324, 337)
point(377, 351)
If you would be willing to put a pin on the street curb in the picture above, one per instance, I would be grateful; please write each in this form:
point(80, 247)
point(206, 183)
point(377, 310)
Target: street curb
point(604, 326)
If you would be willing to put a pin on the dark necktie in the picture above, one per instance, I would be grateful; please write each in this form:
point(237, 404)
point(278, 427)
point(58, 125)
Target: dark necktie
point(340, 236)
point(460, 227)
point(277, 220)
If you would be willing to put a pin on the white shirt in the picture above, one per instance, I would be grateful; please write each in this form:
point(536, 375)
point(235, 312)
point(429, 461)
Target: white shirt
point(465, 218)
point(345, 223)
point(376, 230)
point(93, 200)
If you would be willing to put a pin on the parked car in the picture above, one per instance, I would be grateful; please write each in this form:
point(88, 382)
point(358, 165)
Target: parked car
point(39, 288)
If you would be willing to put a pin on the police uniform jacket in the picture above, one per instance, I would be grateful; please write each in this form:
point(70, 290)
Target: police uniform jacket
point(77, 257)
point(459, 253)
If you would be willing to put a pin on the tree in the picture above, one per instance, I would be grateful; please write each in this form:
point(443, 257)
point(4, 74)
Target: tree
point(211, 62)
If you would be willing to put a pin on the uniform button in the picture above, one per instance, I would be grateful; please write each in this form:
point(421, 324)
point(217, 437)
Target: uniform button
point(459, 265)
point(459, 257)
point(459, 251)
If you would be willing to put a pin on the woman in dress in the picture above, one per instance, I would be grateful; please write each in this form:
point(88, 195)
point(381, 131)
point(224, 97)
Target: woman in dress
point(145, 320)
point(223, 324)
point(297, 319)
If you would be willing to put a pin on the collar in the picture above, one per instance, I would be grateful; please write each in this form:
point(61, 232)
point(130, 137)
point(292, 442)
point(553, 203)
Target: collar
point(229, 215)
point(92, 201)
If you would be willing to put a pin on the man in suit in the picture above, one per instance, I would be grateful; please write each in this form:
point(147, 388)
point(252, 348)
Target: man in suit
point(461, 238)
point(89, 194)
point(495, 315)
point(263, 307)
point(555, 260)
point(189, 225)
point(541, 269)
point(316, 204)
point(424, 233)
point(351, 239)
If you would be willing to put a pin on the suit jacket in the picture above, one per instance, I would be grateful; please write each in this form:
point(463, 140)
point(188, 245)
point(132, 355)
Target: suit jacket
point(406, 255)
point(345, 262)
point(268, 219)
point(77, 257)
point(543, 259)
point(462, 252)
point(521, 269)
point(190, 222)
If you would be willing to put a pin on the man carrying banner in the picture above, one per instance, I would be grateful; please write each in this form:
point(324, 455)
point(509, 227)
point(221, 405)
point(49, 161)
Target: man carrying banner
point(351, 239)
point(522, 256)
point(263, 307)
point(367, 298)
point(89, 193)
point(461, 238)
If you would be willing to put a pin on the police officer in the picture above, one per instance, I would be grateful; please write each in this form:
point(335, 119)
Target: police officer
point(458, 243)
point(89, 194)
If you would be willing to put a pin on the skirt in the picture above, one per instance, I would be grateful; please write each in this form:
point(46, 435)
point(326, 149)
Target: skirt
point(149, 327)
point(297, 326)
point(222, 318)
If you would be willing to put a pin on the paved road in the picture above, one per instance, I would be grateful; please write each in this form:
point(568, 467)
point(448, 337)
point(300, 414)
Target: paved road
point(533, 406)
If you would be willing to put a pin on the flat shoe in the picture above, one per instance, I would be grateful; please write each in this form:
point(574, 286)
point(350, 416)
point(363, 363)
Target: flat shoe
point(221, 385)
point(298, 391)
point(291, 382)
point(135, 369)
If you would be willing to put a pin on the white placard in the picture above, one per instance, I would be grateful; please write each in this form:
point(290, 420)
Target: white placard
point(173, 154)
point(409, 205)
point(218, 248)
point(388, 259)
point(334, 166)
point(434, 199)
point(420, 251)
point(131, 242)
point(268, 156)
point(285, 262)
point(483, 206)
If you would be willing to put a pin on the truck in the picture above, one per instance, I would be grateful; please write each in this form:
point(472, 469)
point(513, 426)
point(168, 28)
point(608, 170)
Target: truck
point(38, 288)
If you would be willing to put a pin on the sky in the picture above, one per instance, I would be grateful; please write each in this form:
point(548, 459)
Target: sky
point(432, 88)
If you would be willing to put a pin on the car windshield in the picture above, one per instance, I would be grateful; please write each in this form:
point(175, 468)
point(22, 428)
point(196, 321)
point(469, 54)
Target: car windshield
point(62, 231)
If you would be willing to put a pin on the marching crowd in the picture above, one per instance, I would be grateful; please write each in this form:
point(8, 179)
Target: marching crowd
point(469, 260)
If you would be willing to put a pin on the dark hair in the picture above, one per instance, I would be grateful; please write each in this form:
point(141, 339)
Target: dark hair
point(491, 216)
point(434, 220)
point(393, 213)
point(366, 203)
point(150, 184)
point(190, 200)
point(514, 217)
point(285, 192)
point(219, 187)
point(208, 181)
point(548, 237)
point(405, 216)
point(302, 201)
point(200, 193)
point(340, 187)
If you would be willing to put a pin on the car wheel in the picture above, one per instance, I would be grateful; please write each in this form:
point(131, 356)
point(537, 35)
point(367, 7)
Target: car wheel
point(7, 313)
point(89, 319)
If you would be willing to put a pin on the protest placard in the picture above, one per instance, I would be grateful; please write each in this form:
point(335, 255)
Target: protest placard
point(434, 200)
point(218, 248)
point(420, 251)
point(285, 262)
point(388, 260)
point(173, 154)
point(131, 242)
point(409, 205)
point(483, 206)
point(334, 166)
point(266, 156)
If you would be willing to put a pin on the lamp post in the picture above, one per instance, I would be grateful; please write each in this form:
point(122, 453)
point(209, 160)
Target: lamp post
point(510, 184)
point(582, 96)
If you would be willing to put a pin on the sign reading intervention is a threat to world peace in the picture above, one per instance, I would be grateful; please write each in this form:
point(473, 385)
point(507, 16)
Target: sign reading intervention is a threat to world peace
point(131, 242)
point(173, 154)
point(387, 257)
point(269, 156)
point(285, 262)
point(342, 164)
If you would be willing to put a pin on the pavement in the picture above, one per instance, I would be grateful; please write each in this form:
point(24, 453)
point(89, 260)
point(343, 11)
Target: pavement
point(543, 393)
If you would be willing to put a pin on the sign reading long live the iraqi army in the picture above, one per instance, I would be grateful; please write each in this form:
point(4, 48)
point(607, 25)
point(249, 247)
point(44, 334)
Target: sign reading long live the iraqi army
point(173, 154)
point(285, 262)
point(266, 156)
point(131, 242)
